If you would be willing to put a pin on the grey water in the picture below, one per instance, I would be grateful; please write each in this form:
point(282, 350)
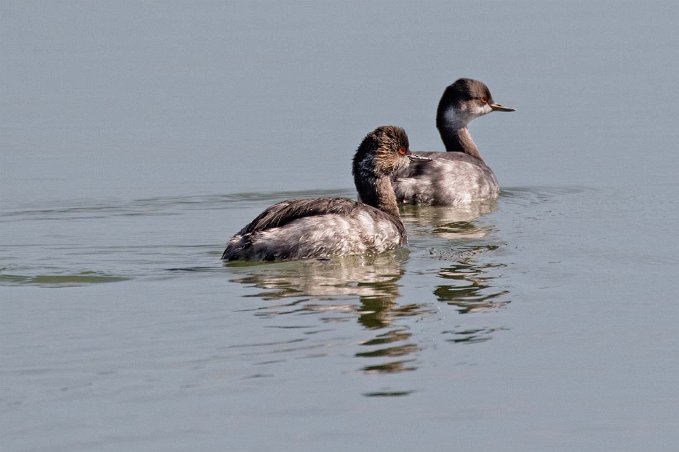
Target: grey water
point(137, 137)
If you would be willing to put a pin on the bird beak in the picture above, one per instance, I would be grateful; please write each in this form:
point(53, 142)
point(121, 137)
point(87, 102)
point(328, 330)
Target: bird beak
point(418, 158)
point(498, 107)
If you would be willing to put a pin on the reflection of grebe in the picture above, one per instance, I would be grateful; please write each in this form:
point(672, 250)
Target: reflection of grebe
point(469, 286)
point(320, 287)
point(448, 222)
point(359, 275)
point(325, 227)
point(458, 176)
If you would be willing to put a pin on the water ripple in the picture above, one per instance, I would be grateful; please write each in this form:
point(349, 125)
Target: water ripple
point(540, 194)
point(164, 205)
point(60, 280)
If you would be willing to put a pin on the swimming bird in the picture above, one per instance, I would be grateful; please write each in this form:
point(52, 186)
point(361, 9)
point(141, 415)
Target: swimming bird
point(458, 176)
point(325, 227)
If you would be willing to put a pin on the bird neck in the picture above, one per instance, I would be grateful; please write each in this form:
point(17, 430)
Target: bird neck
point(376, 191)
point(458, 139)
point(452, 126)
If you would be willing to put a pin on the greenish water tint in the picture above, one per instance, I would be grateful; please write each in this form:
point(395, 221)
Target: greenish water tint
point(60, 280)
point(531, 291)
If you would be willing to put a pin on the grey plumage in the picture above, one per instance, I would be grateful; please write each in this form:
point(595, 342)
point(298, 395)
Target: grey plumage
point(458, 176)
point(450, 179)
point(325, 227)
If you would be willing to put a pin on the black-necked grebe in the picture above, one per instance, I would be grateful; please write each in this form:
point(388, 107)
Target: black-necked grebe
point(325, 227)
point(458, 176)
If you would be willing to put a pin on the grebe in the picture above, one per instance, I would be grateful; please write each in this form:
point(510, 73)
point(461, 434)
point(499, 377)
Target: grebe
point(458, 176)
point(325, 227)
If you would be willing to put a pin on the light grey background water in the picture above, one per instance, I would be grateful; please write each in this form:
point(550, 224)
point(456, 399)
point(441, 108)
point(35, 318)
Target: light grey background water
point(136, 137)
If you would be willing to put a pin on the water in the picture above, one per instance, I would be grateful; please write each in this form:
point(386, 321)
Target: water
point(136, 138)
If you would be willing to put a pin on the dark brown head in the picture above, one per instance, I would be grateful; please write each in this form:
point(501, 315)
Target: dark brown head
point(382, 152)
point(463, 101)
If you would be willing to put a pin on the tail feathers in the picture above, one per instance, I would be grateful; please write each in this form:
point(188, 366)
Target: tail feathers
point(236, 248)
point(244, 247)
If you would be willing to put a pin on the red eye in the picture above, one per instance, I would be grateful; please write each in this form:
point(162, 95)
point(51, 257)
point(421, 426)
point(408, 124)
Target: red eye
point(402, 151)
point(484, 100)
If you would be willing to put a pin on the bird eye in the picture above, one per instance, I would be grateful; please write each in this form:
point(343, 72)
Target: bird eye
point(484, 100)
point(402, 151)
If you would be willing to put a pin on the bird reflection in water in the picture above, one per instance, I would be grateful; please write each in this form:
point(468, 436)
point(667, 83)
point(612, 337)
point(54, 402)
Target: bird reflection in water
point(447, 222)
point(468, 275)
point(321, 288)
point(469, 286)
point(328, 289)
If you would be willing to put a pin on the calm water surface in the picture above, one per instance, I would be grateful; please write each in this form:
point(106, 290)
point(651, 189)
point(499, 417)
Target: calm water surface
point(137, 138)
